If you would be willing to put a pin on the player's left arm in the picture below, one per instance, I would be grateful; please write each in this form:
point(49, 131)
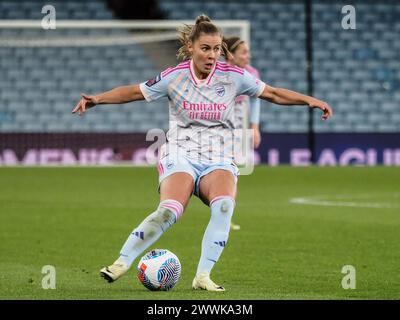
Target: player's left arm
point(287, 97)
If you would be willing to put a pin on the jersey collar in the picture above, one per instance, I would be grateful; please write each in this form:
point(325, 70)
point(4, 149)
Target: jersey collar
point(201, 82)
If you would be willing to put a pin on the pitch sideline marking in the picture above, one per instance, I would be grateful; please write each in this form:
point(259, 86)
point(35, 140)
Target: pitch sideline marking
point(323, 200)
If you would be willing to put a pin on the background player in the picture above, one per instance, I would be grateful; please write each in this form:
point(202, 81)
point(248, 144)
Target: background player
point(244, 105)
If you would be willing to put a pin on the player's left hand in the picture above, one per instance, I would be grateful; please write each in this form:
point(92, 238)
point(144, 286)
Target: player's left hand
point(327, 110)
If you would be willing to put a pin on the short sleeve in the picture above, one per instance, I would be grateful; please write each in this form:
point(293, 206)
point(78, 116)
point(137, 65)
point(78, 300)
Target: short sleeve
point(249, 85)
point(155, 88)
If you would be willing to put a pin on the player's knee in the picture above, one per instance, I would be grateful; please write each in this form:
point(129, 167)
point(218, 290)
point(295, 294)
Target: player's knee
point(169, 211)
point(164, 215)
point(162, 218)
point(223, 205)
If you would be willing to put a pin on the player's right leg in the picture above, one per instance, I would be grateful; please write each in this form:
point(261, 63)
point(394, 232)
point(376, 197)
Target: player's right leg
point(175, 192)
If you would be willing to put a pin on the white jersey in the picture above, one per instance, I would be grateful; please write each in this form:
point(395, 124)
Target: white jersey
point(202, 115)
point(245, 106)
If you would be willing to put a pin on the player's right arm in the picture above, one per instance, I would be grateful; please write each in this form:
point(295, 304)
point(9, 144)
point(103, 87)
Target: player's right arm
point(117, 95)
point(150, 90)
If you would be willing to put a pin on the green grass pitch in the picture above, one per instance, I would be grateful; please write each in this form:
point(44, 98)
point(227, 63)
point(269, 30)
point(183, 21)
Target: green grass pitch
point(77, 219)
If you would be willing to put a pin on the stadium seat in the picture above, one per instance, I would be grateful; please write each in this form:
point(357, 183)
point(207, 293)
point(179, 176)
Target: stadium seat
point(353, 70)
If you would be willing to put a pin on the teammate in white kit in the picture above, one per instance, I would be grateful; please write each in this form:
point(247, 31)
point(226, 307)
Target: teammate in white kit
point(240, 57)
point(244, 105)
point(198, 155)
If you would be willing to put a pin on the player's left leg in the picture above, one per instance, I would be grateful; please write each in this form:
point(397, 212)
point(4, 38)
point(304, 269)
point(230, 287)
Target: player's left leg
point(218, 189)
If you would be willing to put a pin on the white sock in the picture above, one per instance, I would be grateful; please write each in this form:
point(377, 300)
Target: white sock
point(217, 232)
point(148, 232)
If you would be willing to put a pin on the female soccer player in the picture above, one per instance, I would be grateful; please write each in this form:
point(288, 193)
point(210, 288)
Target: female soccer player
point(240, 56)
point(197, 157)
point(244, 105)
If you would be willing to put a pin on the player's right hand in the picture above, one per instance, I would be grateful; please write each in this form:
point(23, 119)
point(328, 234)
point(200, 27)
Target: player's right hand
point(86, 102)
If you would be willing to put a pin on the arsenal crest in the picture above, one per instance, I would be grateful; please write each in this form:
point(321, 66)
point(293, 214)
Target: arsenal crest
point(220, 90)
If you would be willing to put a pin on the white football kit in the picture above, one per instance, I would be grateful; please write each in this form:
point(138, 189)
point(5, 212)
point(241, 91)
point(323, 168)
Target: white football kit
point(202, 117)
point(247, 111)
point(245, 105)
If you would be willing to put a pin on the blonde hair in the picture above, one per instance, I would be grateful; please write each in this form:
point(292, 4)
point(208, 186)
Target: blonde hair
point(190, 33)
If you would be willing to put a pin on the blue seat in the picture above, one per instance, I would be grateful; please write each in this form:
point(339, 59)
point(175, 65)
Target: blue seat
point(352, 70)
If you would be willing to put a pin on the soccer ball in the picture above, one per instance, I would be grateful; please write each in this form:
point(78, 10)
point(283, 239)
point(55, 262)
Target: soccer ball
point(159, 270)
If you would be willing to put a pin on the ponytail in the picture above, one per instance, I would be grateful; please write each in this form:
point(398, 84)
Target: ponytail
point(190, 33)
